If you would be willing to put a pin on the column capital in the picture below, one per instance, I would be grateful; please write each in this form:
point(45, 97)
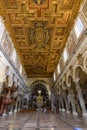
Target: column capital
point(69, 85)
point(76, 80)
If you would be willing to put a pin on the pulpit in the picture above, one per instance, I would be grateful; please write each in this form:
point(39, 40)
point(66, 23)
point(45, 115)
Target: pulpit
point(7, 98)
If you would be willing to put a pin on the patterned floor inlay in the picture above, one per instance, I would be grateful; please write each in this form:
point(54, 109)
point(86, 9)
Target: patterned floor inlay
point(42, 121)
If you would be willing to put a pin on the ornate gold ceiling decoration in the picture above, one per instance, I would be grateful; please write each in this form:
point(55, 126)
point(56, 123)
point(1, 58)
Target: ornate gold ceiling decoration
point(39, 2)
point(39, 35)
point(39, 5)
point(39, 29)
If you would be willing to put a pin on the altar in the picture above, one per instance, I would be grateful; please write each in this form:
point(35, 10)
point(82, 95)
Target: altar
point(39, 101)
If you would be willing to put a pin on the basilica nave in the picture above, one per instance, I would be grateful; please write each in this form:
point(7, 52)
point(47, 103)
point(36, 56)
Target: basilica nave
point(43, 64)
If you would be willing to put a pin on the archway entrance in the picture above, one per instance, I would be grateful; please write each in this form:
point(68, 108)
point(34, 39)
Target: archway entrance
point(39, 95)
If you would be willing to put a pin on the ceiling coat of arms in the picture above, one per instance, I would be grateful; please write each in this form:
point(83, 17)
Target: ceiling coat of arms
point(39, 35)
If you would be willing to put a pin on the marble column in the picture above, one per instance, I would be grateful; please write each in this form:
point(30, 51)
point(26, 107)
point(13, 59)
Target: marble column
point(66, 102)
point(56, 102)
point(74, 112)
point(19, 106)
point(52, 101)
point(59, 101)
point(16, 110)
point(62, 100)
point(11, 110)
point(16, 106)
point(80, 97)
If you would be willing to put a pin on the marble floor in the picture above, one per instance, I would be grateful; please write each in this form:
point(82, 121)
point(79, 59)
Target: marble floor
point(39, 120)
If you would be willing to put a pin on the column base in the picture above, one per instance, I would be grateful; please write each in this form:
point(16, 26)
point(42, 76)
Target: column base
point(4, 114)
point(63, 110)
point(10, 113)
point(68, 112)
point(15, 111)
point(60, 109)
point(84, 114)
point(75, 113)
point(19, 109)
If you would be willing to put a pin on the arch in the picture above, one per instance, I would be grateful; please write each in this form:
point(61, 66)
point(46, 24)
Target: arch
point(40, 83)
point(81, 74)
point(69, 73)
point(70, 77)
point(77, 70)
point(64, 84)
point(44, 84)
point(40, 88)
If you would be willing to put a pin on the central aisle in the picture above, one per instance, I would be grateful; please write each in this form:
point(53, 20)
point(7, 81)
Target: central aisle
point(44, 121)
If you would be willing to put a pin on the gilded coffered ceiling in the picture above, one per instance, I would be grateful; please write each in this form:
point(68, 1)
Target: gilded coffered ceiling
point(39, 30)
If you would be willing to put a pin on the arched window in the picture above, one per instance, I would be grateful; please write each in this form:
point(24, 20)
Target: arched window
point(54, 76)
point(21, 69)
point(58, 68)
point(78, 28)
point(65, 55)
point(14, 56)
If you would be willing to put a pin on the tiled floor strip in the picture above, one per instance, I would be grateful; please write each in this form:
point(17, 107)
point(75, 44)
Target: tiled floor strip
point(42, 121)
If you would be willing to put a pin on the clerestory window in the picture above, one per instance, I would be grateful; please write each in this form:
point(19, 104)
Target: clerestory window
point(78, 28)
point(54, 77)
point(65, 55)
point(58, 68)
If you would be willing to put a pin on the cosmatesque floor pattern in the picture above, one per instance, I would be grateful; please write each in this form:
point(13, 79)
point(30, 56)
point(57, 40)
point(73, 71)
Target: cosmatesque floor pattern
point(39, 120)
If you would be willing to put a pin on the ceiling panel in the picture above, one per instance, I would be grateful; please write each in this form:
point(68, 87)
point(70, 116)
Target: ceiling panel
point(39, 29)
